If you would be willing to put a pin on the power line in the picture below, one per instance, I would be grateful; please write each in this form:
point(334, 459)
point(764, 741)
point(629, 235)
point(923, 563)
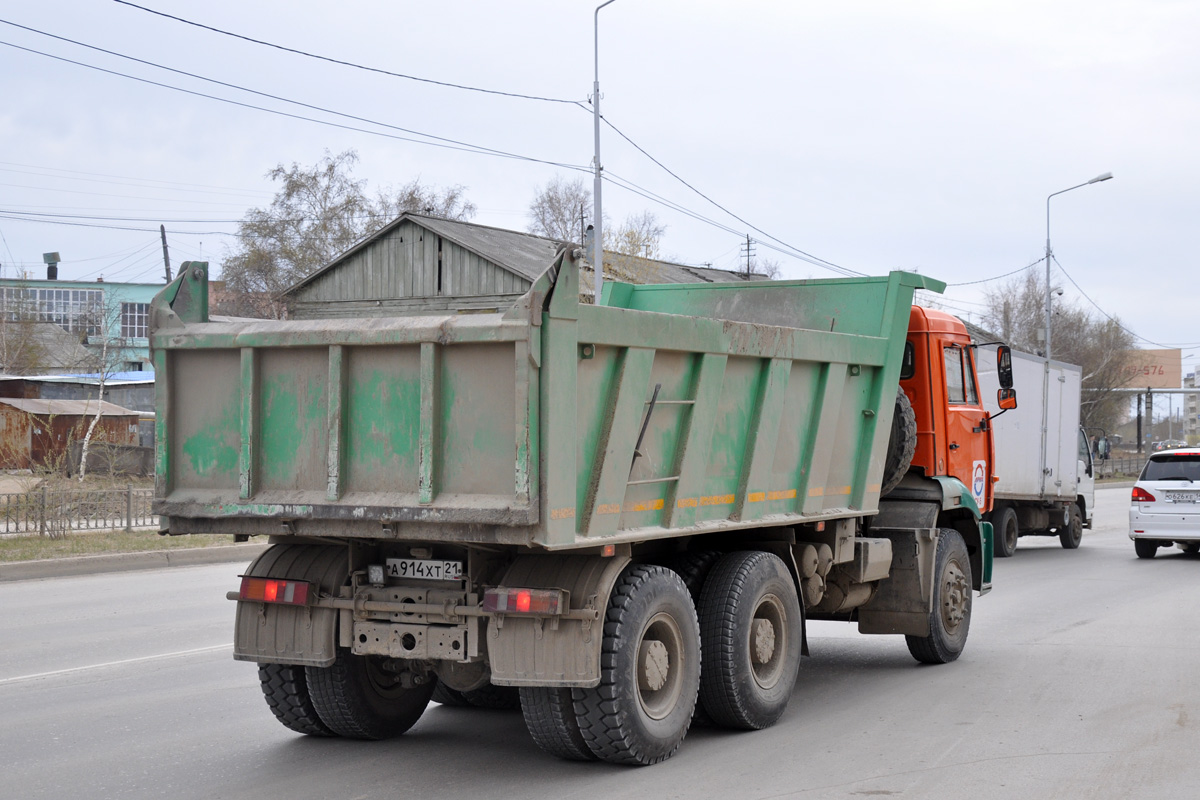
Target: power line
point(1113, 319)
point(997, 277)
point(809, 257)
point(347, 63)
point(448, 144)
point(173, 185)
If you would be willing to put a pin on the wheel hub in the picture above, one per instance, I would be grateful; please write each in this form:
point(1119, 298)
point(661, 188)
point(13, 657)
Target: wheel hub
point(763, 638)
point(654, 665)
point(955, 595)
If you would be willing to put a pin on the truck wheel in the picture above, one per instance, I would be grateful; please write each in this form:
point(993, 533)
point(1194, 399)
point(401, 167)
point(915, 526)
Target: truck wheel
point(550, 717)
point(496, 698)
point(444, 695)
point(1145, 548)
point(951, 616)
point(1007, 532)
point(286, 690)
point(693, 567)
point(1190, 548)
point(750, 640)
point(1072, 535)
point(902, 443)
point(357, 698)
point(650, 670)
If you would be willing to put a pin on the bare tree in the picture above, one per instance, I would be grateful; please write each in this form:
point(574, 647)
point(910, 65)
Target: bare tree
point(319, 212)
point(560, 209)
point(640, 235)
point(1016, 311)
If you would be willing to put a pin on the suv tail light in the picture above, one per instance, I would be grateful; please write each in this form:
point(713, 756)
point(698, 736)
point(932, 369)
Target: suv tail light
point(1140, 495)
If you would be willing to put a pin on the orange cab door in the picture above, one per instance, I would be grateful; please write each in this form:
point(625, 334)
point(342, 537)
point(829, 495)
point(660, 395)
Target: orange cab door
point(968, 443)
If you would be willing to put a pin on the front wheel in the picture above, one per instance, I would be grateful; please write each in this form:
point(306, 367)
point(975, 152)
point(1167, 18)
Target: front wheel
point(650, 670)
point(950, 619)
point(1007, 532)
point(1145, 548)
point(1072, 535)
point(360, 697)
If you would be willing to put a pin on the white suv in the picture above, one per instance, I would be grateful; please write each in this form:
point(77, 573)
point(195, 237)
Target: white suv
point(1165, 506)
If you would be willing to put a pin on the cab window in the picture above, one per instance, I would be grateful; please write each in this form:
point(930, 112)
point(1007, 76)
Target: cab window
point(960, 380)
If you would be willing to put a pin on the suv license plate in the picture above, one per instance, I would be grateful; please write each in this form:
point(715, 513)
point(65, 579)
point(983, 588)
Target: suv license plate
point(1180, 497)
point(424, 569)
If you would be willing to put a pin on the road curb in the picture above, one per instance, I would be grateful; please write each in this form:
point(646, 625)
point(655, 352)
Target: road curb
point(122, 562)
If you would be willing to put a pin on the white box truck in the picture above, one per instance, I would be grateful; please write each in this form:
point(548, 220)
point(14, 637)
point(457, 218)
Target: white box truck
point(1042, 488)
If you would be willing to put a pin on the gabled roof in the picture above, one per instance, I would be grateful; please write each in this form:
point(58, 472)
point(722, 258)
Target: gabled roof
point(524, 254)
point(68, 408)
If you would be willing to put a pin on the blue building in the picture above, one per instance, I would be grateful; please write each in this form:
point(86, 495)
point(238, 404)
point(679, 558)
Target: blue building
point(108, 318)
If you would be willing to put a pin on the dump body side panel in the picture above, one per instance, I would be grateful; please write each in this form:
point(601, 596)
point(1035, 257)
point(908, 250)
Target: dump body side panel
point(557, 424)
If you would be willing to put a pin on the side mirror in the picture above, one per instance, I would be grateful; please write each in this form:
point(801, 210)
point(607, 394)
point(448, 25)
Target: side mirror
point(1103, 448)
point(1004, 369)
point(1007, 398)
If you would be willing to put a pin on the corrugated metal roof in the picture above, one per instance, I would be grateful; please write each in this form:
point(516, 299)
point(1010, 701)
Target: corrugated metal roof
point(68, 408)
point(525, 254)
point(92, 378)
point(528, 255)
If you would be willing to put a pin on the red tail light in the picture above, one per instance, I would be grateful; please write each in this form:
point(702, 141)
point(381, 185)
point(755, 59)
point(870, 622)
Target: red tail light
point(274, 590)
point(1140, 495)
point(524, 601)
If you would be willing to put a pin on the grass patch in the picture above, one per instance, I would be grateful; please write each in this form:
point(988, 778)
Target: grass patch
point(34, 548)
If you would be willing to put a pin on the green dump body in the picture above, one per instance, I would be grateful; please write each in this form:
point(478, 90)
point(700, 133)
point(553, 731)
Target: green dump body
point(667, 410)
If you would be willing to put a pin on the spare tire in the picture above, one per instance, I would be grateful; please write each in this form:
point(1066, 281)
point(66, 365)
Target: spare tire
point(901, 444)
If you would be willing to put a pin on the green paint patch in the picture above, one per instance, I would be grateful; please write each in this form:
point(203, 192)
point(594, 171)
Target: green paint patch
point(214, 448)
point(384, 423)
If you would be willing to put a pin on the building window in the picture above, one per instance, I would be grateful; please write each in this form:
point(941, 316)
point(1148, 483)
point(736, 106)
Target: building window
point(134, 317)
point(75, 310)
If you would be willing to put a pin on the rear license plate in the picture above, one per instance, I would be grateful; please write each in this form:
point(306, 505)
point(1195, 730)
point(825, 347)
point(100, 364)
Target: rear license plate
point(424, 569)
point(1180, 497)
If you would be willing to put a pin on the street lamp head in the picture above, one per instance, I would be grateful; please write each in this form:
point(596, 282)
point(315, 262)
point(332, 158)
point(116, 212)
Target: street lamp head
point(1107, 176)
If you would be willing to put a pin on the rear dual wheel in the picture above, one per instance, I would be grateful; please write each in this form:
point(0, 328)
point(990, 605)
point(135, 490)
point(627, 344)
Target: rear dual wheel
point(649, 674)
point(361, 698)
point(750, 636)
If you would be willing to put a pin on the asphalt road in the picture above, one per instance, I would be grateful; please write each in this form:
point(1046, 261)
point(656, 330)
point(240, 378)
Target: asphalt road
point(1079, 681)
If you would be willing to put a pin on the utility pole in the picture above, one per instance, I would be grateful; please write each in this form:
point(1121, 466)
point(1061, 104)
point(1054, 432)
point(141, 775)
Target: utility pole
point(748, 250)
point(582, 222)
point(162, 229)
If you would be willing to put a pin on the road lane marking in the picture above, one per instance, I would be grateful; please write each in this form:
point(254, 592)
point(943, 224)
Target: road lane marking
point(121, 663)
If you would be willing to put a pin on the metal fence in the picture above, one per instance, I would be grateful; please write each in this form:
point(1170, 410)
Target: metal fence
point(1121, 466)
point(57, 512)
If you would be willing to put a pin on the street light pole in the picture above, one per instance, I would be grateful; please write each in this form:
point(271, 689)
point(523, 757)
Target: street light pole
point(597, 212)
point(1046, 372)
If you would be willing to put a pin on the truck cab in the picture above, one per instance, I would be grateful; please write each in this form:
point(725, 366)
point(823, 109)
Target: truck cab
point(939, 378)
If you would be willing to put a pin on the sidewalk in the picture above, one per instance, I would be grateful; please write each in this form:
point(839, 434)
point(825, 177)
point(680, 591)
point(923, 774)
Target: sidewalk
point(122, 562)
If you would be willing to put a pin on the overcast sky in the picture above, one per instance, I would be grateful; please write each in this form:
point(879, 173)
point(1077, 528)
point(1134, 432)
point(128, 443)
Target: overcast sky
point(873, 135)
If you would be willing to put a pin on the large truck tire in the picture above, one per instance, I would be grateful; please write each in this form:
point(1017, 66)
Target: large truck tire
point(445, 696)
point(1008, 530)
point(650, 670)
point(357, 698)
point(750, 640)
point(950, 619)
point(550, 717)
point(902, 443)
point(286, 690)
point(1071, 535)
